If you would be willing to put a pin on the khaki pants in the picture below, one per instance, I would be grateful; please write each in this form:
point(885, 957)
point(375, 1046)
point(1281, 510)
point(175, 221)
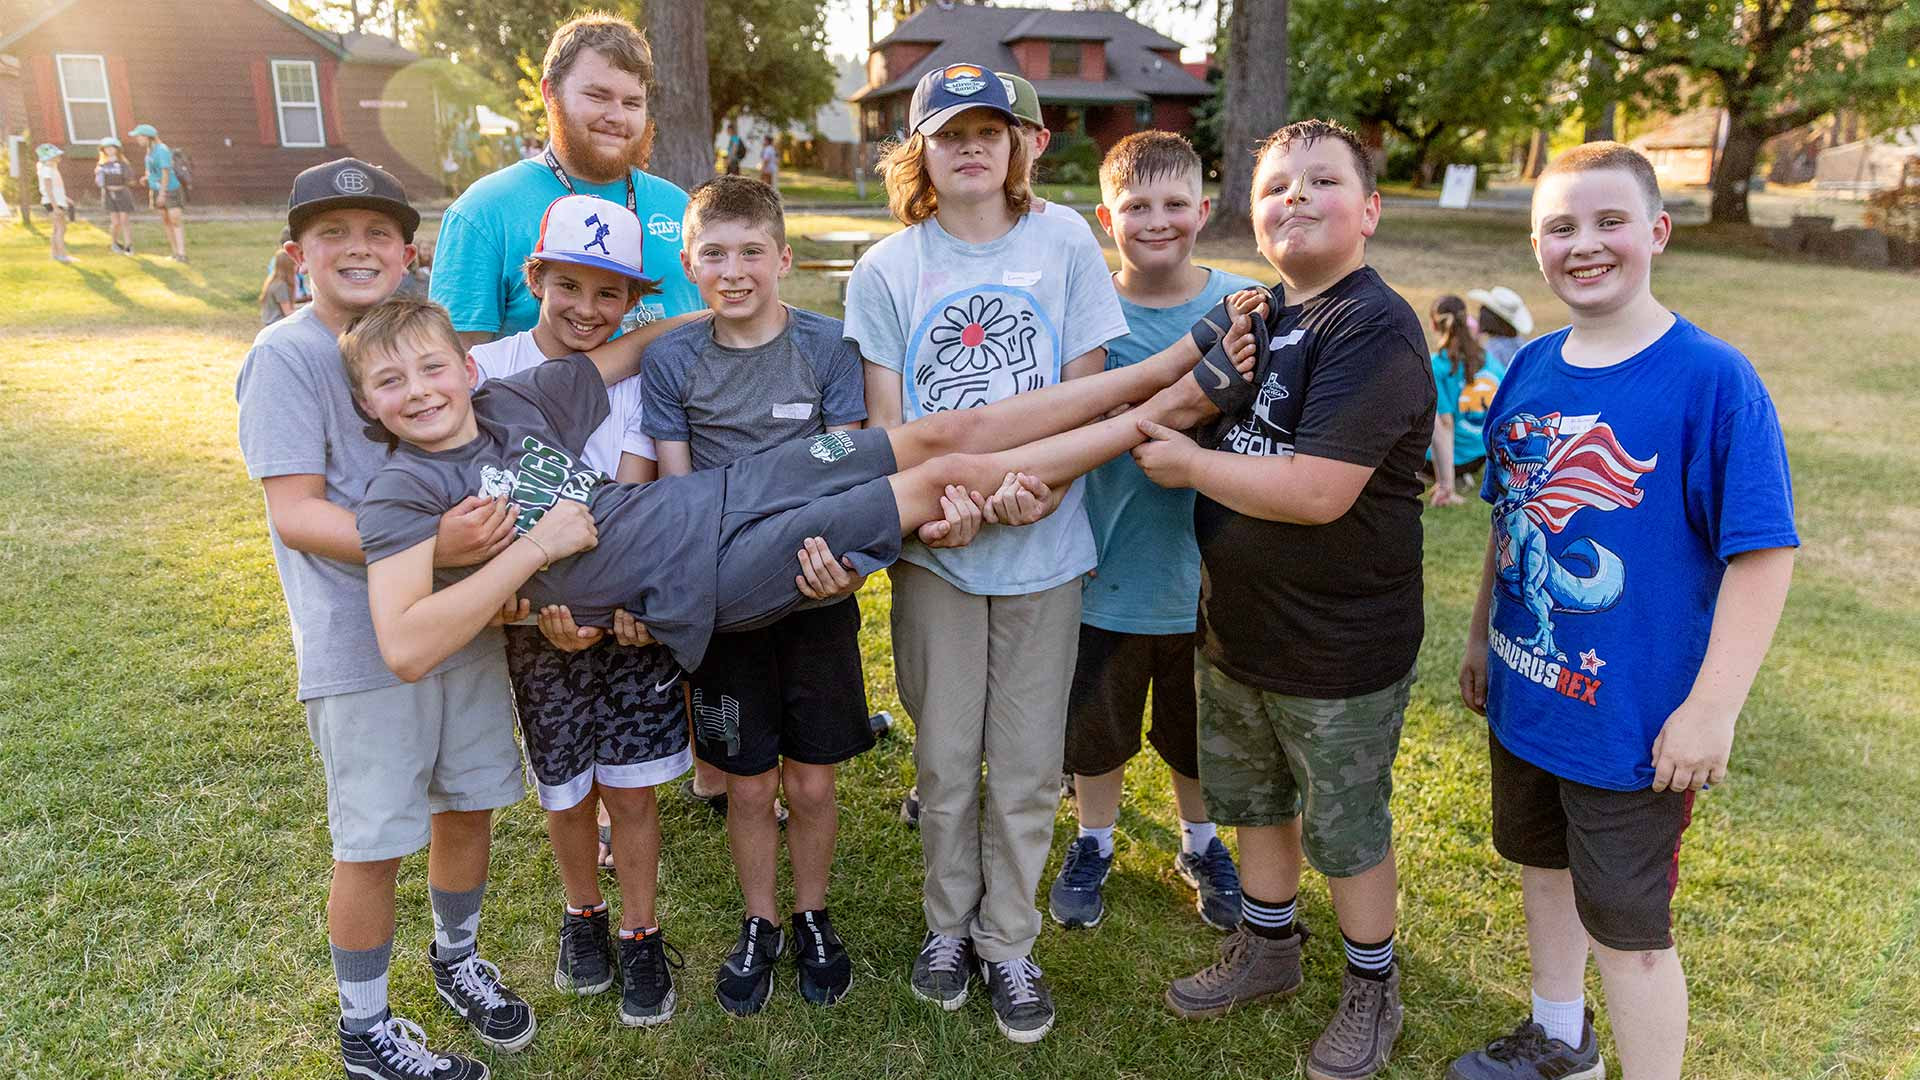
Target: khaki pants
point(985, 679)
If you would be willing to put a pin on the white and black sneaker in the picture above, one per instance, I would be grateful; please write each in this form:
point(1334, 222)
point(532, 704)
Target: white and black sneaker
point(1022, 1005)
point(585, 962)
point(646, 964)
point(942, 970)
point(825, 970)
point(471, 988)
point(395, 1050)
point(745, 982)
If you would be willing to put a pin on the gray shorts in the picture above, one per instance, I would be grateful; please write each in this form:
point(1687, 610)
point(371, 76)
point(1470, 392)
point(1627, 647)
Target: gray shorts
point(397, 754)
point(833, 486)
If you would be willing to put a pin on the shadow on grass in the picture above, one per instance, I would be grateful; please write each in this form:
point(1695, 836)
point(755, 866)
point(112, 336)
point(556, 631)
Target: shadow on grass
point(178, 282)
point(104, 285)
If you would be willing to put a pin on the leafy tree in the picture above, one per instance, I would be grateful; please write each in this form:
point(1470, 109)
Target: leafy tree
point(1434, 72)
point(1774, 65)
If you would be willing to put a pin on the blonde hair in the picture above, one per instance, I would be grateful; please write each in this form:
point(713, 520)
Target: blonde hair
point(382, 327)
point(910, 193)
point(283, 269)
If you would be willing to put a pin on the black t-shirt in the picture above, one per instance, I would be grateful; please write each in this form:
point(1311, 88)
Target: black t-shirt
point(1334, 610)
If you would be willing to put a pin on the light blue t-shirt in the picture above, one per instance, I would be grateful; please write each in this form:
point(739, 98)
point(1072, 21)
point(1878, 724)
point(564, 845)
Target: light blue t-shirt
point(967, 324)
point(159, 160)
point(1467, 401)
point(493, 226)
point(1148, 579)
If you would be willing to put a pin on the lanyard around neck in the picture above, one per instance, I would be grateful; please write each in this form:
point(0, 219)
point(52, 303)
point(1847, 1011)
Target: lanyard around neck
point(560, 174)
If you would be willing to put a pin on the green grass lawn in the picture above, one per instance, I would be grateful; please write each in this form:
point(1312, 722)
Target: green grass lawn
point(163, 826)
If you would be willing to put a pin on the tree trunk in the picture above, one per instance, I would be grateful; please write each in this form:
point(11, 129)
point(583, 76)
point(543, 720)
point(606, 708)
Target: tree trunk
point(1731, 172)
point(1256, 104)
point(1536, 156)
point(1598, 98)
point(683, 141)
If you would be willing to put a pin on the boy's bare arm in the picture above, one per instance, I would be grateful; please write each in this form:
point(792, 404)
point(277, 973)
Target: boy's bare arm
point(1473, 665)
point(676, 458)
point(1302, 489)
point(884, 406)
point(1696, 740)
point(418, 628)
point(620, 358)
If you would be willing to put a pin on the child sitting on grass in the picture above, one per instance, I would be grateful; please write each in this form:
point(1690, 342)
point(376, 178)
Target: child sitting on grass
point(1642, 544)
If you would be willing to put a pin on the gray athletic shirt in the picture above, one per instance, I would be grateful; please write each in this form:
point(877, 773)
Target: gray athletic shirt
point(297, 417)
point(726, 403)
point(532, 426)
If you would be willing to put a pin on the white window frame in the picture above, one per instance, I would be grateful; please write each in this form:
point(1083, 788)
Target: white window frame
point(66, 101)
point(280, 107)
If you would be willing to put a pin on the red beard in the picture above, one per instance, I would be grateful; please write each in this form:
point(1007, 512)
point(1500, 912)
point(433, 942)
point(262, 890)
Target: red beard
point(576, 148)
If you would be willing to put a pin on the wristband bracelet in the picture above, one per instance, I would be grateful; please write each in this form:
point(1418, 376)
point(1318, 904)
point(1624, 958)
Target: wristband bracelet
point(528, 537)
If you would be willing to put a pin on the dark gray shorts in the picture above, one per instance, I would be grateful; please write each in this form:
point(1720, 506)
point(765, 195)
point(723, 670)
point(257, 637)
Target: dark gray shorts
point(833, 486)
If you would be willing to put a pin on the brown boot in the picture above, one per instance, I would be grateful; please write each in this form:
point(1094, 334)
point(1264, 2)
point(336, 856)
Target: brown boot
point(1359, 1038)
point(1250, 968)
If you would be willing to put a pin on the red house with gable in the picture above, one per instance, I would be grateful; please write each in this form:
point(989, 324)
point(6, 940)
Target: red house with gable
point(1099, 72)
point(253, 94)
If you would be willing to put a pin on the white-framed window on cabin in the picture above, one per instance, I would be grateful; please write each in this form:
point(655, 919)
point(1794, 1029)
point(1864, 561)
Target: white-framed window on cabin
point(296, 98)
point(83, 92)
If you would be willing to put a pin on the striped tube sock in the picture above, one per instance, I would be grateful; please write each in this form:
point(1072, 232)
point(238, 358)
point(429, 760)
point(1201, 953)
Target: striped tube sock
point(362, 978)
point(456, 919)
point(1369, 961)
point(1265, 918)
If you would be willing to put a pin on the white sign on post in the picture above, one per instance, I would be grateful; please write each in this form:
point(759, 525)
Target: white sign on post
point(1456, 191)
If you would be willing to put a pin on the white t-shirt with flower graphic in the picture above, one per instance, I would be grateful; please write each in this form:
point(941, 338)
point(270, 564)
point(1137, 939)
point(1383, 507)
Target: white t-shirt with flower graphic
point(967, 324)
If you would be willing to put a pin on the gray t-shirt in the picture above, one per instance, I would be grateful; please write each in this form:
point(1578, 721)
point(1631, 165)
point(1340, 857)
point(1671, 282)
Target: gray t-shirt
point(297, 417)
point(726, 403)
point(967, 324)
point(532, 427)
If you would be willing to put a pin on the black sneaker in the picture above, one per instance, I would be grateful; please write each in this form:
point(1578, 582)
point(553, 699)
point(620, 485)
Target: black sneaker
point(910, 807)
point(647, 965)
point(1022, 1005)
point(394, 1050)
point(1074, 900)
point(585, 963)
point(942, 970)
point(825, 970)
point(1528, 1054)
point(471, 988)
point(1216, 881)
point(745, 981)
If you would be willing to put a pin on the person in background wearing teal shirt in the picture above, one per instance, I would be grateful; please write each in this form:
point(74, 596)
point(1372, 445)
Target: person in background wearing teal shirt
point(164, 192)
point(595, 88)
point(1139, 605)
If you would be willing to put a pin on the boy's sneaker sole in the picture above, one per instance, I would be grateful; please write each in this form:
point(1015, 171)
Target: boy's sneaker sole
point(1015, 1035)
point(1077, 924)
point(1184, 1013)
point(567, 986)
point(665, 1014)
point(951, 1004)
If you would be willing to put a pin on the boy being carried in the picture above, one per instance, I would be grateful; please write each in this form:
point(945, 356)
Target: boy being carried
point(783, 705)
point(1137, 610)
point(1642, 545)
point(405, 764)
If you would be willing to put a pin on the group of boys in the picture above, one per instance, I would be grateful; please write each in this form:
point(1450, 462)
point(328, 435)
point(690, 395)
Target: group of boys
point(1278, 709)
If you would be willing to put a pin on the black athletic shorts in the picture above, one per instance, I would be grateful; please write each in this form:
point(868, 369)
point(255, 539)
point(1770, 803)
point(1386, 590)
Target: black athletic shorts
point(1623, 847)
point(794, 689)
point(1110, 683)
point(610, 713)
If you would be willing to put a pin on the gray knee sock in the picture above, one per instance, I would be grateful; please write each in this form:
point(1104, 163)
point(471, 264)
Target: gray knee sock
point(456, 919)
point(362, 978)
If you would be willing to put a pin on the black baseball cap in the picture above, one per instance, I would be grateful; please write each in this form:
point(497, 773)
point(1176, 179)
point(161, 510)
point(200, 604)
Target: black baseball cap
point(946, 92)
point(349, 184)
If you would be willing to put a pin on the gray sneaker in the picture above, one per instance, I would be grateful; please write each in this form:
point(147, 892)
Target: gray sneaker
point(1022, 1004)
point(1250, 968)
point(942, 969)
point(1359, 1038)
point(1529, 1054)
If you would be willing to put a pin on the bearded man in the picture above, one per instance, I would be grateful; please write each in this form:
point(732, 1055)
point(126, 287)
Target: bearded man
point(594, 83)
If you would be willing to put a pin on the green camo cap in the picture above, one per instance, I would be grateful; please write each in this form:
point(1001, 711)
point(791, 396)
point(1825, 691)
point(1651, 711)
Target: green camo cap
point(1026, 100)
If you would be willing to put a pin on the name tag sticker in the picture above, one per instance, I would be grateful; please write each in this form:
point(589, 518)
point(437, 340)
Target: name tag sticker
point(1020, 279)
point(799, 410)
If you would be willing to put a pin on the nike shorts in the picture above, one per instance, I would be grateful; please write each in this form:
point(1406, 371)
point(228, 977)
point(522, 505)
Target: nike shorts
point(792, 690)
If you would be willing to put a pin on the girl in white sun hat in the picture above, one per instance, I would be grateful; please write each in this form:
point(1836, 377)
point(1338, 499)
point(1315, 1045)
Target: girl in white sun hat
point(53, 197)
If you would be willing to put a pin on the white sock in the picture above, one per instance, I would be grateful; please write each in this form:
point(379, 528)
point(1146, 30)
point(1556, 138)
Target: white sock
point(1103, 836)
point(1196, 835)
point(1563, 1020)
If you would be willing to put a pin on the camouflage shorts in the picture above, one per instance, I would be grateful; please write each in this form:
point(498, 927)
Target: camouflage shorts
point(1267, 758)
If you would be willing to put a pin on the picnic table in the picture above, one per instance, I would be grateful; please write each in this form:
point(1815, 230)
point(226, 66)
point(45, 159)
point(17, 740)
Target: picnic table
point(839, 270)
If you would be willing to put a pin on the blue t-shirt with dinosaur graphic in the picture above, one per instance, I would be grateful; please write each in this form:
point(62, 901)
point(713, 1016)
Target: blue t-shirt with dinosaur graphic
point(1619, 493)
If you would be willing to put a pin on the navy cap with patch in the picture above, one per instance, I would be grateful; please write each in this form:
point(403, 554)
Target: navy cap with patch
point(349, 184)
point(947, 91)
